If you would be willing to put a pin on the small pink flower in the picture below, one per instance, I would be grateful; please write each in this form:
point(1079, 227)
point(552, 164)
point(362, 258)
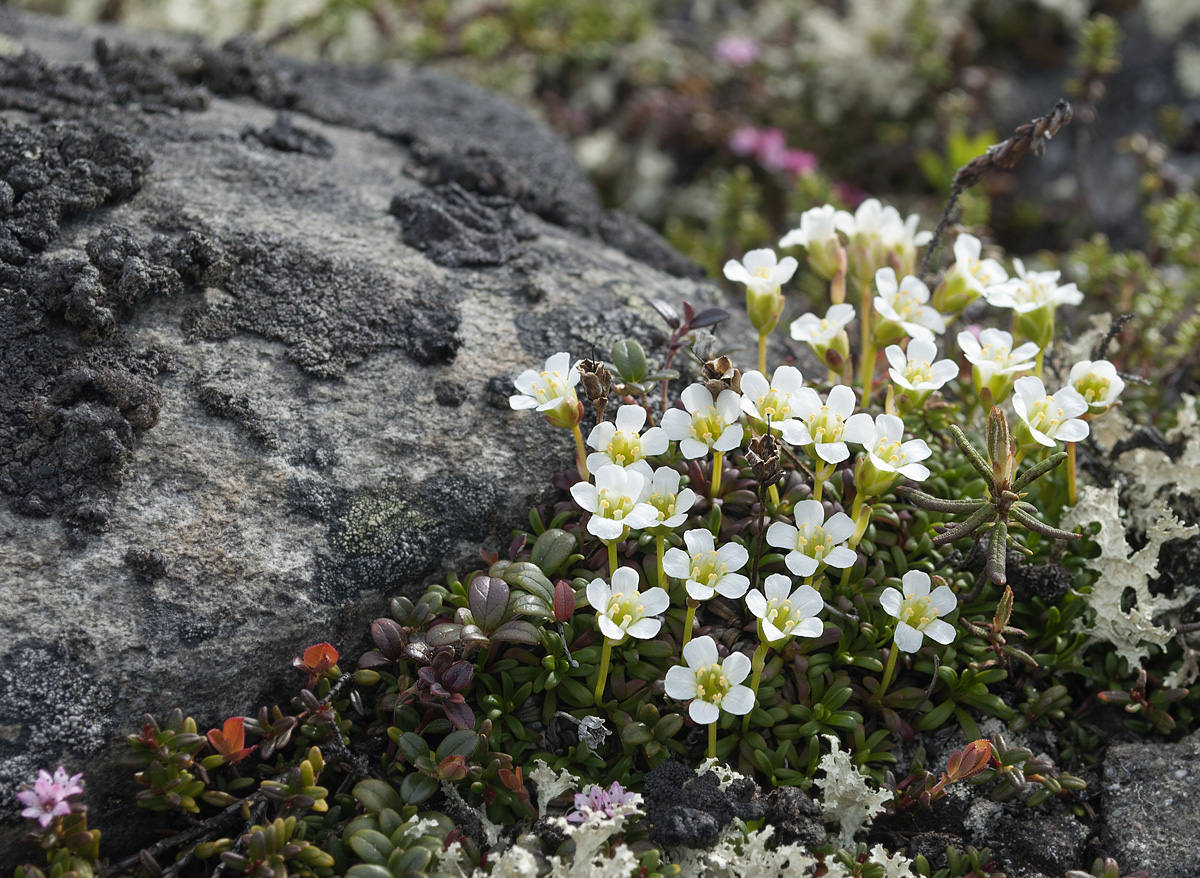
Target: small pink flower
point(48, 798)
point(597, 800)
point(744, 140)
point(798, 161)
point(736, 51)
point(772, 149)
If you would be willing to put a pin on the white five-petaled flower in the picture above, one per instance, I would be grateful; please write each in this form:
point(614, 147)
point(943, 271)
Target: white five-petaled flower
point(623, 444)
point(904, 303)
point(761, 271)
point(711, 684)
point(616, 501)
point(1098, 382)
point(707, 569)
point(813, 541)
point(1031, 290)
point(889, 455)
point(872, 218)
point(705, 424)
point(762, 400)
point(978, 273)
point(821, 331)
point(994, 361)
point(918, 370)
point(818, 234)
point(1050, 418)
point(918, 610)
point(669, 502)
point(827, 426)
point(783, 613)
point(549, 388)
point(623, 610)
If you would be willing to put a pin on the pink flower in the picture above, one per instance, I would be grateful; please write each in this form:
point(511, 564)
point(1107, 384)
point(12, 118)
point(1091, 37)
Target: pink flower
point(597, 800)
point(48, 798)
point(798, 161)
point(744, 140)
point(772, 149)
point(736, 51)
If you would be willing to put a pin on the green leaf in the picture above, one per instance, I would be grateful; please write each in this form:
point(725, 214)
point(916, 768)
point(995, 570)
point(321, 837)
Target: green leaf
point(413, 746)
point(416, 788)
point(375, 795)
point(368, 870)
point(517, 631)
point(371, 846)
point(460, 742)
point(629, 359)
point(637, 734)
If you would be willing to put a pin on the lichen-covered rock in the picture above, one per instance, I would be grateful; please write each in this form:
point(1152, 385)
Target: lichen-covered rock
point(252, 387)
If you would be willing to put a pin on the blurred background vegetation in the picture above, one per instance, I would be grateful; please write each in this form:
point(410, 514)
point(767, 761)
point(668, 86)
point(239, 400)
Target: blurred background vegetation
point(718, 122)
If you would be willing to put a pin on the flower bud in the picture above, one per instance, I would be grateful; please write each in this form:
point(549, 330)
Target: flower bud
point(999, 446)
point(955, 292)
point(567, 414)
point(764, 308)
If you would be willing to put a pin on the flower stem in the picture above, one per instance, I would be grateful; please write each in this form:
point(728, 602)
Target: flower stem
point(1072, 492)
point(660, 543)
point(612, 558)
point(887, 673)
point(758, 663)
point(823, 472)
point(714, 484)
point(1041, 356)
point(605, 655)
point(712, 740)
point(762, 352)
point(773, 493)
point(862, 517)
point(688, 622)
point(866, 369)
point(581, 454)
point(837, 288)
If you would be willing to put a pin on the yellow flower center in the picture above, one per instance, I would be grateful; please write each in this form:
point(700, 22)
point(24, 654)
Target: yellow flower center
point(707, 426)
point(1046, 415)
point(1093, 388)
point(552, 385)
point(888, 450)
point(779, 614)
point(825, 426)
point(763, 272)
point(917, 372)
point(611, 504)
point(664, 503)
point(707, 569)
point(811, 540)
point(711, 684)
point(775, 406)
point(916, 612)
point(625, 448)
point(624, 608)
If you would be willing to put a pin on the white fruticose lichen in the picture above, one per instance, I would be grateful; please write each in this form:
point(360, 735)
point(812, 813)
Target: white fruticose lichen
point(1131, 632)
point(725, 774)
point(739, 853)
point(847, 796)
point(550, 784)
point(592, 859)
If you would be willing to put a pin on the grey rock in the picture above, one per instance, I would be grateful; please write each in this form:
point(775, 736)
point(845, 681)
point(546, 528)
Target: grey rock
point(1150, 807)
point(243, 405)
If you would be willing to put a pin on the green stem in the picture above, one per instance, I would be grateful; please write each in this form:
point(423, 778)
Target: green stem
point(1041, 356)
point(689, 622)
point(660, 543)
point(605, 655)
point(758, 663)
point(717, 466)
point(712, 740)
point(822, 473)
point(581, 454)
point(1072, 492)
point(887, 673)
point(773, 493)
point(762, 354)
point(866, 369)
point(612, 558)
point(862, 517)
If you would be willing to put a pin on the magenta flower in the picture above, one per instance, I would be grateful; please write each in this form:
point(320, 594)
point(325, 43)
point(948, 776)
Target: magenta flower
point(772, 149)
point(597, 800)
point(48, 798)
point(744, 140)
point(798, 161)
point(736, 51)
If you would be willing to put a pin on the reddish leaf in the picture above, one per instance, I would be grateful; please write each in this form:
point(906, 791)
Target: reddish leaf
point(317, 660)
point(230, 740)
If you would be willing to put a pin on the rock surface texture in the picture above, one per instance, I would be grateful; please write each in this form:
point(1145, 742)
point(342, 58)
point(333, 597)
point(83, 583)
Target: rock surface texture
point(259, 324)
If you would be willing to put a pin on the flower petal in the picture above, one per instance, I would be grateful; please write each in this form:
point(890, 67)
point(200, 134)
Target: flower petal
point(942, 632)
point(736, 667)
point(680, 683)
point(700, 652)
point(891, 600)
point(908, 639)
point(645, 629)
point(703, 713)
point(739, 700)
point(654, 601)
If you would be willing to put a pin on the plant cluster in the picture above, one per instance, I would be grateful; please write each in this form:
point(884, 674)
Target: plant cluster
point(787, 574)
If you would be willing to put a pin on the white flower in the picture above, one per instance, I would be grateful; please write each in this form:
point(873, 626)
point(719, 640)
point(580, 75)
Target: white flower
point(904, 234)
point(916, 371)
point(816, 227)
point(979, 273)
point(871, 218)
point(1097, 382)
point(784, 613)
point(827, 426)
point(761, 271)
point(905, 303)
point(1032, 290)
point(705, 424)
point(669, 502)
point(708, 570)
point(813, 541)
point(616, 501)
point(994, 361)
point(712, 685)
point(761, 400)
point(544, 390)
point(917, 611)
point(822, 331)
point(877, 233)
point(888, 453)
point(1050, 418)
point(621, 609)
point(622, 444)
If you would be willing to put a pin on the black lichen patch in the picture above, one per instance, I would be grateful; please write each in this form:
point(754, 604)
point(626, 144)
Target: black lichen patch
point(457, 228)
point(472, 168)
point(449, 393)
point(393, 535)
point(150, 77)
point(56, 172)
point(221, 402)
point(150, 563)
point(796, 818)
point(431, 333)
point(687, 810)
point(328, 312)
point(285, 136)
